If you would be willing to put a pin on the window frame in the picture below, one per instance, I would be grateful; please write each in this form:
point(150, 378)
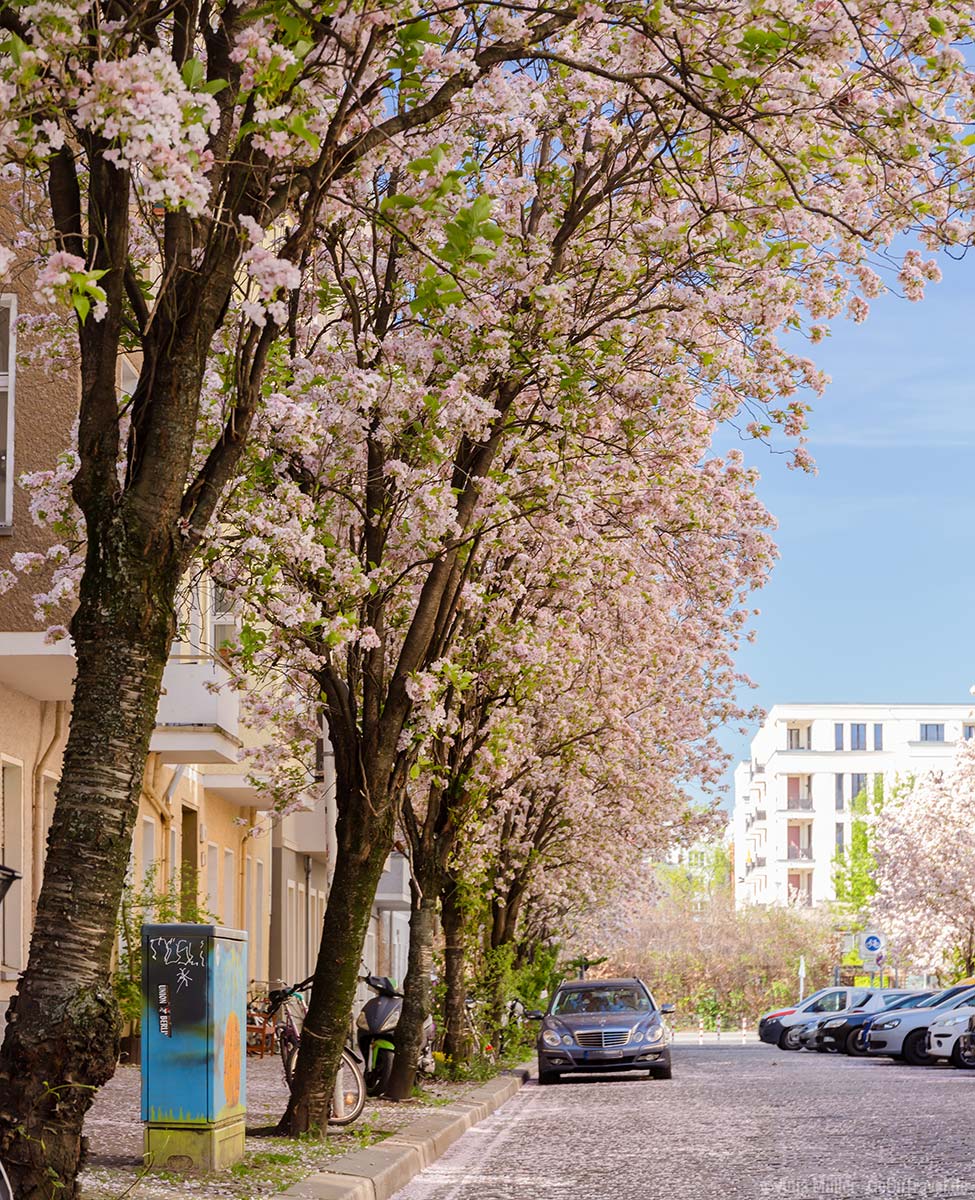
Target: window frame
point(858, 735)
point(926, 725)
point(878, 735)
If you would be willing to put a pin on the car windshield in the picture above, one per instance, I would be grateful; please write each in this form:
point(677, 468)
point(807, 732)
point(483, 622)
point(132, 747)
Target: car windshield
point(922, 1001)
point(945, 997)
point(601, 1000)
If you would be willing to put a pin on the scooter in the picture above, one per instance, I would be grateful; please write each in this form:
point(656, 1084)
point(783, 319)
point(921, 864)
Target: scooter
point(374, 1033)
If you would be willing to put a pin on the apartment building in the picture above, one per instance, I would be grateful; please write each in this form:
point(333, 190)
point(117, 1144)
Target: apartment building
point(792, 809)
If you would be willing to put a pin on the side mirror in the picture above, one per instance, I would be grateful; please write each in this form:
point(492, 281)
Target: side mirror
point(668, 1008)
point(534, 1014)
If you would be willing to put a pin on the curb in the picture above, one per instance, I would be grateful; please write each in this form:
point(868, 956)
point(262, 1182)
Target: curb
point(378, 1172)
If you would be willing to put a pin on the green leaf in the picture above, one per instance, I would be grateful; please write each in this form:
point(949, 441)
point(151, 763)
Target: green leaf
point(194, 74)
point(82, 306)
point(936, 25)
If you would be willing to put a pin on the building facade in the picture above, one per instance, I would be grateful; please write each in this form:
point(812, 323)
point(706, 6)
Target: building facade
point(794, 798)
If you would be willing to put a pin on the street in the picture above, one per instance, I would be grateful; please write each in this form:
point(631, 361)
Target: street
point(735, 1121)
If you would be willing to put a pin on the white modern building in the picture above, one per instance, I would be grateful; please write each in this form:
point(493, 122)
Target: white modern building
point(792, 809)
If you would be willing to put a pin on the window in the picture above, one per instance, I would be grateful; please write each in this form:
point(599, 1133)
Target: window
point(148, 847)
point(932, 733)
point(259, 919)
point(839, 837)
point(8, 356)
point(12, 940)
point(793, 735)
point(224, 627)
point(878, 737)
point(213, 878)
point(838, 736)
point(830, 1002)
point(839, 793)
point(969, 732)
point(858, 785)
point(858, 737)
point(229, 912)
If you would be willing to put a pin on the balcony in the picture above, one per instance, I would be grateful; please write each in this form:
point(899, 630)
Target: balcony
point(393, 892)
point(798, 804)
point(42, 670)
point(198, 716)
point(311, 831)
point(760, 814)
point(236, 787)
point(802, 854)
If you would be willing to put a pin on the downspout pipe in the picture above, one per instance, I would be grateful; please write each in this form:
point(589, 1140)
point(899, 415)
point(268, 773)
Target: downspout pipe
point(37, 867)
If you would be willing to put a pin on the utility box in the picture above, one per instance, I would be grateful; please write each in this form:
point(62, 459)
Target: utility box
point(194, 1029)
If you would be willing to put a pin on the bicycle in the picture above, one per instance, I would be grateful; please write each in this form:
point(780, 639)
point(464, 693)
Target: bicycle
point(288, 1007)
point(482, 1047)
point(8, 876)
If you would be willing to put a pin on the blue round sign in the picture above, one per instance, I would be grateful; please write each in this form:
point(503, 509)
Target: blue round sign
point(872, 943)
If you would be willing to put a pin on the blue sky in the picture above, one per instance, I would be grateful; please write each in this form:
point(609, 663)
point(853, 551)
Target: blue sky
point(872, 598)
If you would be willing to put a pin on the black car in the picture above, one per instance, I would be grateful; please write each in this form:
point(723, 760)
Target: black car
point(603, 1025)
point(843, 1032)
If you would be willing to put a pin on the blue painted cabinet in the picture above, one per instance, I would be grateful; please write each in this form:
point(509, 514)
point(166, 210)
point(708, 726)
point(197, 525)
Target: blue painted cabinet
point(194, 1031)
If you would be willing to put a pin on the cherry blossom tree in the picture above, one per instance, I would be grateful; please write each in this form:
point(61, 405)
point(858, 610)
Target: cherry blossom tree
point(925, 865)
point(625, 232)
point(177, 161)
point(566, 632)
point(663, 190)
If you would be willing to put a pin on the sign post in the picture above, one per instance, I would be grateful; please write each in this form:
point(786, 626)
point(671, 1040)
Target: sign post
point(802, 977)
point(873, 950)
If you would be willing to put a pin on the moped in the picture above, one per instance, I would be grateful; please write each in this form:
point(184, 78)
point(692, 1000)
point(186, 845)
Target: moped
point(374, 1033)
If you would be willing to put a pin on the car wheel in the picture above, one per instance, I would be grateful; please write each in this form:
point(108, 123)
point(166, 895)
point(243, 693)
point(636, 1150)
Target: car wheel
point(662, 1072)
point(960, 1057)
point(547, 1077)
point(914, 1051)
point(854, 1047)
point(790, 1038)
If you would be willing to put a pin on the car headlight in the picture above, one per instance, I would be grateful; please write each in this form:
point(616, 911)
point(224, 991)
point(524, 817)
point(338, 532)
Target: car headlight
point(550, 1037)
point(654, 1033)
point(890, 1023)
point(953, 1021)
point(636, 1035)
point(836, 1021)
point(567, 1039)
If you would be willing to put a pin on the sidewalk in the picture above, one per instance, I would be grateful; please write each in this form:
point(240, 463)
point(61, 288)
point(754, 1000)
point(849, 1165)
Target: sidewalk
point(114, 1130)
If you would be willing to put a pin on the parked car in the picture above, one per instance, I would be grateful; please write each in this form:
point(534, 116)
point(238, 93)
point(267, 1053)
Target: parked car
point(875, 999)
point(948, 1037)
point(904, 1034)
point(782, 1026)
point(841, 1033)
point(597, 1025)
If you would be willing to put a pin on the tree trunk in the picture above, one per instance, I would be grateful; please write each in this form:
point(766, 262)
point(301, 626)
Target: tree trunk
point(417, 987)
point(365, 838)
point(62, 1039)
point(455, 1034)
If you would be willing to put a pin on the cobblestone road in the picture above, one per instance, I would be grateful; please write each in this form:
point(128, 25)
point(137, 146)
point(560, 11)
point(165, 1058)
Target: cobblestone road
point(741, 1122)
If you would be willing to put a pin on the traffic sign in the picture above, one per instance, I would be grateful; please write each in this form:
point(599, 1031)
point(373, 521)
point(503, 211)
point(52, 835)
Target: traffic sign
point(873, 948)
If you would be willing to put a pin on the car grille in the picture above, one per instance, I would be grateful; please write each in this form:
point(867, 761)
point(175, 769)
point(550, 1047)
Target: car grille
point(603, 1037)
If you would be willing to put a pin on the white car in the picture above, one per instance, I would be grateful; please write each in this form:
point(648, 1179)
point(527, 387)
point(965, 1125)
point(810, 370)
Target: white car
point(944, 1037)
point(904, 1034)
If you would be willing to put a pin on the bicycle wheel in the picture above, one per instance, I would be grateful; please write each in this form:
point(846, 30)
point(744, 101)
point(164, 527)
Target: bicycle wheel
point(349, 1097)
point(289, 1057)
